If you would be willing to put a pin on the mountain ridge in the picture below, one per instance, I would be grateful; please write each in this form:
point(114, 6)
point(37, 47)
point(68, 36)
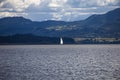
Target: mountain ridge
point(103, 25)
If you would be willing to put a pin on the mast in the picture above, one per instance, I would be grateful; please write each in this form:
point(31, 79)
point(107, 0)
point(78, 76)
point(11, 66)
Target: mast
point(61, 41)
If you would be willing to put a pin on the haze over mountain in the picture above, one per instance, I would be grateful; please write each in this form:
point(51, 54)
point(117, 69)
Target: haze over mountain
point(104, 25)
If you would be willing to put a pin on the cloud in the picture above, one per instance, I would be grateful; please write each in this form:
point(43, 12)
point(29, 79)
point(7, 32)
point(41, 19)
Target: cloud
point(57, 3)
point(92, 3)
point(19, 5)
point(56, 9)
point(11, 14)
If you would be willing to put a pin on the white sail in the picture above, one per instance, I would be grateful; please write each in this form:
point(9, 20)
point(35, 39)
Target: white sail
point(61, 41)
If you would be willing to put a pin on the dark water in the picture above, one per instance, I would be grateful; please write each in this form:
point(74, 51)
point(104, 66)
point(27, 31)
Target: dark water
point(60, 62)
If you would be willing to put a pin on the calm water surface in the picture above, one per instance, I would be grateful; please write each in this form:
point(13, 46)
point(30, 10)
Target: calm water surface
point(60, 62)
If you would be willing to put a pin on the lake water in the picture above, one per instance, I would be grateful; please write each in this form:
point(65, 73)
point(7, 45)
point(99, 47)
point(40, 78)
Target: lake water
point(60, 62)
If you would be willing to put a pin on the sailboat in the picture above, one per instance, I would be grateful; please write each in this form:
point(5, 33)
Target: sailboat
point(61, 41)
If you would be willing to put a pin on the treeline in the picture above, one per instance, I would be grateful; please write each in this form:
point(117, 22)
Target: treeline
point(97, 40)
point(32, 39)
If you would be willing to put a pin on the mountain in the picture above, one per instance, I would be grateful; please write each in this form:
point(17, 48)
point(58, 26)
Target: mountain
point(104, 25)
point(20, 25)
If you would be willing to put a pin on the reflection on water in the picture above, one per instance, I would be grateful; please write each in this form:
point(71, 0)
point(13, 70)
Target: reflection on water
point(60, 62)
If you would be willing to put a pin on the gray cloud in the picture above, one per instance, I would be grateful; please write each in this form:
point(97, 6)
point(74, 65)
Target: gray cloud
point(56, 9)
point(92, 3)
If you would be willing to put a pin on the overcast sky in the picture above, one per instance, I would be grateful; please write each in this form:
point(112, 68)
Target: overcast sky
point(66, 10)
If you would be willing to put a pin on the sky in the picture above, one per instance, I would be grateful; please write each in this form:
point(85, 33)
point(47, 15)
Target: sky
point(64, 10)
